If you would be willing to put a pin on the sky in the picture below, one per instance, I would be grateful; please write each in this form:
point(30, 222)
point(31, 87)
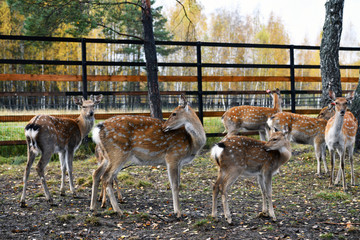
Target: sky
point(302, 18)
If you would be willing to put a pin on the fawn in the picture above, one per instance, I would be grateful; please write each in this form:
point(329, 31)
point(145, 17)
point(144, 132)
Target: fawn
point(242, 156)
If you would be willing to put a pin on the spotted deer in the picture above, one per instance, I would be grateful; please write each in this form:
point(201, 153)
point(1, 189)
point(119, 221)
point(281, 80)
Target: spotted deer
point(304, 130)
point(340, 136)
point(243, 156)
point(147, 141)
point(47, 135)
point(251, 118)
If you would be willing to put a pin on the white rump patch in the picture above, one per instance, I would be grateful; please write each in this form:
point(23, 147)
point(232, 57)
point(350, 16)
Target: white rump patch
point(31, 133)
point(96, 135)
point(216, 151)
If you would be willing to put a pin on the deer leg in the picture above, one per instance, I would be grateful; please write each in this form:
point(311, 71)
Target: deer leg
point(31, 157)
point(268, 193)
point(262, 135)
point(40, 168)
point(338, 176)
point(342, 161)
point(174, 178)
point(102, 197)
point(332, 161)
point(108, 180)
point(118, 190)
point(69, 166)
point(216, 187)
point(62, 157)
point(96, 179)
point(229, 179)
point(265, 210)
point(351, 153)
point(323, 157)
point(318, 155)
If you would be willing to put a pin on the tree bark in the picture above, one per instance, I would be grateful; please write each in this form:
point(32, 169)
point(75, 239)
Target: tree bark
point(329, 49)
point(355, 109)
point(151, 61)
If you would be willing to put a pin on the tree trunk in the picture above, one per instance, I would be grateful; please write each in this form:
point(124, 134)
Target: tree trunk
point(151, 61)
point(355, 109)
point(329, 49)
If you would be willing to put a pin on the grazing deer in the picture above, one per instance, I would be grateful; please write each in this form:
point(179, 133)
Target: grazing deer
point(340, 136)
point(100, 157)
point(250, 118)
point(47, 135)
point(147, 141)
point(304, 130)
point(327, 112)
point(243, 156)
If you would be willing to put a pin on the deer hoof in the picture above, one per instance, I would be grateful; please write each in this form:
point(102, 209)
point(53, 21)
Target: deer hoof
point(263, 215)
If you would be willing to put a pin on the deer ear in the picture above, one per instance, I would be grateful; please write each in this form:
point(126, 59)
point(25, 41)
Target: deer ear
point(350, 96)
point(97, 99)
point(183, 102)
point(78, 101)
point(332, 95)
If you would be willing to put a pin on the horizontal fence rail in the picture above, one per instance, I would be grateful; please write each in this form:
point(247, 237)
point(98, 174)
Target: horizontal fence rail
point(199, 78)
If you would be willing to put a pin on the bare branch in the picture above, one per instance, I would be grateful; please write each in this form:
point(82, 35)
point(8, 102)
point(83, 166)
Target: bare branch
point(119, 33)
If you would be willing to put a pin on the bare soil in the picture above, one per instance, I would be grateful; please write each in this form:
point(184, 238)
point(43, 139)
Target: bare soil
point(305, 205)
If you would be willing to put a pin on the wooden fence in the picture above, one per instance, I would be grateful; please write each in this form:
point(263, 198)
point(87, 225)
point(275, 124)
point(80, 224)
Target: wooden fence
point(199, 78)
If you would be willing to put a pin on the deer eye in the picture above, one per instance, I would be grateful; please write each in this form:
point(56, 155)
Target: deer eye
point(174, 114)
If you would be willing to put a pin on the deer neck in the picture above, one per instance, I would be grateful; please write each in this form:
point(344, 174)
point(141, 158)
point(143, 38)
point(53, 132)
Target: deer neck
point(197, 133)
point(285, 153)
point(338, 123)
point(277, 105)
point(85, 124)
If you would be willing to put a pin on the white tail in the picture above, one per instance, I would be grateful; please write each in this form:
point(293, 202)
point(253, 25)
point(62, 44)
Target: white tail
point(47, 135)
point(147, 141)
point(250, 118)
point(340, 136)
point(304, 130)
point(242, 156)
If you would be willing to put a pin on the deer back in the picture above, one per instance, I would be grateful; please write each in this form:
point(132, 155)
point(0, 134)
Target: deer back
point(252, 116)
point(143, 139)
point(303, 129)
point(53, 132)
point(251, 157)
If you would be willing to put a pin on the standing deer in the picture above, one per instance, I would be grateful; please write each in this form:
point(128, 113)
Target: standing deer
point(250, 118)
point(242, 156)
point(147, 141)
point(304, 130)
point(340, 136)
point(47, 135)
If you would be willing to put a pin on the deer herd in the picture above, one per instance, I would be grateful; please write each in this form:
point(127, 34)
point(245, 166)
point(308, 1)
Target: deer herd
point(138, 140)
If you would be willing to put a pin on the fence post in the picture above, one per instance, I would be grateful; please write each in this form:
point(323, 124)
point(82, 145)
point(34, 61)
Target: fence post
point(199, 78)
point(84, 68)
point(292, 78)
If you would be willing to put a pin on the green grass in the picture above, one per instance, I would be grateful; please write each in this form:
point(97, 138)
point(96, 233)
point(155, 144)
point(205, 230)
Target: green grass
point(333, 196)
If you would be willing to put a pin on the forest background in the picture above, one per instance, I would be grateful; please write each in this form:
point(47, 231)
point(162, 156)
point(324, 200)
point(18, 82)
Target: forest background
point(180, 22)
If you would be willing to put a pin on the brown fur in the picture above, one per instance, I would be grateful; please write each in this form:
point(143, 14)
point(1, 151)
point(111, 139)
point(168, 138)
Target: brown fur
point(47, 135)
point(304, 130)
point(243, 156)
point(148, 141)
point(340, 135)
point(250, 118)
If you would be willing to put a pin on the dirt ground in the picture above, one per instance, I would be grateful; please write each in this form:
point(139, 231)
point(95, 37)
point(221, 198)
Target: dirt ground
point(305, 206)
